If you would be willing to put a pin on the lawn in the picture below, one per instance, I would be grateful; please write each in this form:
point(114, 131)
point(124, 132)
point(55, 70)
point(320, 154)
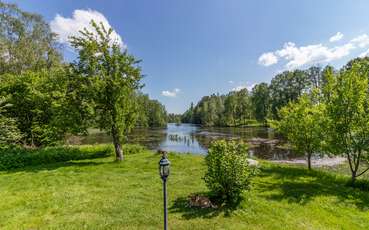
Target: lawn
point(98, 193)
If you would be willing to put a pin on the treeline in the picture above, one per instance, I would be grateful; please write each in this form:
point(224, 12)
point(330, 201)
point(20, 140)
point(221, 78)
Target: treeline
point(42, 98)
point(333, 117)
point(263, 102)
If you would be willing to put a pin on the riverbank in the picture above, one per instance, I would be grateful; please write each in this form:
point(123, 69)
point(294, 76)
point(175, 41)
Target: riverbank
point(97, 193)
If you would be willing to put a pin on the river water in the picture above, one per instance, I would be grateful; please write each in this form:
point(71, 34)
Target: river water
point(190, 138)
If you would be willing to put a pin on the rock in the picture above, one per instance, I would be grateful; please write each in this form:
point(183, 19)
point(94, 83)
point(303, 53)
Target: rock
point(200, 201)
point(253, 162)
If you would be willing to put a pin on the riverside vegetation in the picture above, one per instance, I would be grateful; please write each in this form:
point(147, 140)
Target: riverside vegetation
point(45, 184)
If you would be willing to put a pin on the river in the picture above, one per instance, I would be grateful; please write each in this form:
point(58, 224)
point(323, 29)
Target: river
point(190, 138)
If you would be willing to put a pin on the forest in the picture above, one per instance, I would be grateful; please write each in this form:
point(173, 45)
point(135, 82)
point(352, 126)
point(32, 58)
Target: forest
point(262, 103)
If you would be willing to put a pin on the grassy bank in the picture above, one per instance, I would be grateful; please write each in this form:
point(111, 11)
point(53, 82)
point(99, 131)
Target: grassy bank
point(97, 193)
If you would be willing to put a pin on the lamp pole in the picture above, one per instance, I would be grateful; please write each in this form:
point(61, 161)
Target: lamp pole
point(165, 204)
point(164, 165)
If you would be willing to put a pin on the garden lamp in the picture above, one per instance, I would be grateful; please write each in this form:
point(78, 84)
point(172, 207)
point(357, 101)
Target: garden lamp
point(164, 165)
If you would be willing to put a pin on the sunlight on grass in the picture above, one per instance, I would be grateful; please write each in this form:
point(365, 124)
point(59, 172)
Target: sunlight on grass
point(99, 193)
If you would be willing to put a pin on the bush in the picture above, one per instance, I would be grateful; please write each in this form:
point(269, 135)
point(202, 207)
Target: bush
point(12, 158)
point(132, 149)
point(228, 173)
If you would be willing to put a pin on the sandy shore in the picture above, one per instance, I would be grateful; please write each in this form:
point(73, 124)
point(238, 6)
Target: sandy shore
point(326, 161)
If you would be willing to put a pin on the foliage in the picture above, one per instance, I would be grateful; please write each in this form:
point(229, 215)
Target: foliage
point(261, 101)
point(26, 41)
point(133, 149)
point(228, 171)
point(9, 133)
point(238, 108)
point(151, 113)
point(233, 109)
point(37, 100)
point(112, 77)
point(13, 158)
point(174, 118)
point(285, 87)
point(302, 123)
point(347, 102)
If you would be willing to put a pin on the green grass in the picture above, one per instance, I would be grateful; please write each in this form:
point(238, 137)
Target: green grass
point(101, 194)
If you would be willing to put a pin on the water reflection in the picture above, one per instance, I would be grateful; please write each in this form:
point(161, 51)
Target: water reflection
point(189, 138)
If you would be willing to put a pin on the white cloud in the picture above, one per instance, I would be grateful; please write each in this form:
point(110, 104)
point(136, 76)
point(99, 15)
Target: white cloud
point(338, 36)
point(298, 56)
point(267, 59)
point(230, 82)
point(311, 54)
point(168, 93)
point(66, 27)
point(361, 41)
point(247, 86)
point(364, 54)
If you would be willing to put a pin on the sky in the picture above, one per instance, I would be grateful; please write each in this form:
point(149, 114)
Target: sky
point(190, 48)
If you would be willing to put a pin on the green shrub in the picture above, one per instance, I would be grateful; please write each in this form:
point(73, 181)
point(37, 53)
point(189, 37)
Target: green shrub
point(228, 171)
point(12, 158)
point(132, 149)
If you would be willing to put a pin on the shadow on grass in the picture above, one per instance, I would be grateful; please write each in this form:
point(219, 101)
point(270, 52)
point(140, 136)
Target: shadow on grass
point(298, 185)
point(54, 166)
point(181, 205)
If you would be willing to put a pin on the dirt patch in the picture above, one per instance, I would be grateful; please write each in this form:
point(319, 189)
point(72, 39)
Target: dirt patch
point(318, 162)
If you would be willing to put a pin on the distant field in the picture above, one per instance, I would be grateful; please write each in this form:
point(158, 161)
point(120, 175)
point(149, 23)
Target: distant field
point(100, 194)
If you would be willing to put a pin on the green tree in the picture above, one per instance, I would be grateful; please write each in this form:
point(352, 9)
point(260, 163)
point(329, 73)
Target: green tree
point(37, 105)
point(26, 41)
point(285, 87)
point(9, 133)
point(151, 113)
point(301, 123)
point(113, 78)
point(243, 109)
point(230, 109)
point(347, 110)
point(260, 101)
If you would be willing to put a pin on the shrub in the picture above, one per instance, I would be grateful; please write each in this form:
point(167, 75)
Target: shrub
point(228, 173)
point(132, 149)
point(12, 158)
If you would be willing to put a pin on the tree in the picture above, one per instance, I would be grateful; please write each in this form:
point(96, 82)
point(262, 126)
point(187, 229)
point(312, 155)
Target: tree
point(301, 122)
point(37, 105)
point(285, 87)
point(151, 113)
point(113, 78)
point(260, 101)
point(9, 133)
point(314, 76)
point(174, 118)
point(230, 106)
point(243, 109)
point(187, 117)
point(26, 41)
point(347, 110)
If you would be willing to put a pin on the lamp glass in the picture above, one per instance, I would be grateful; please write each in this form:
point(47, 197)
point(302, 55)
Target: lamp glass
point(164, 167)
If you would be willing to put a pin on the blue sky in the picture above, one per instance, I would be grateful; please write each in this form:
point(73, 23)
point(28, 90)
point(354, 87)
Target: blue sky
point(192, 48)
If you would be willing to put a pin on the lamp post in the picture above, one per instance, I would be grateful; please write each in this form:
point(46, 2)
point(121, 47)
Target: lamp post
point(164, 165)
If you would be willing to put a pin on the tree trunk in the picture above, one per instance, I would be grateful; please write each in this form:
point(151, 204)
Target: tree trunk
point(353, 167)
point(117, 145)
point(353, 177)
point(309, 160)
